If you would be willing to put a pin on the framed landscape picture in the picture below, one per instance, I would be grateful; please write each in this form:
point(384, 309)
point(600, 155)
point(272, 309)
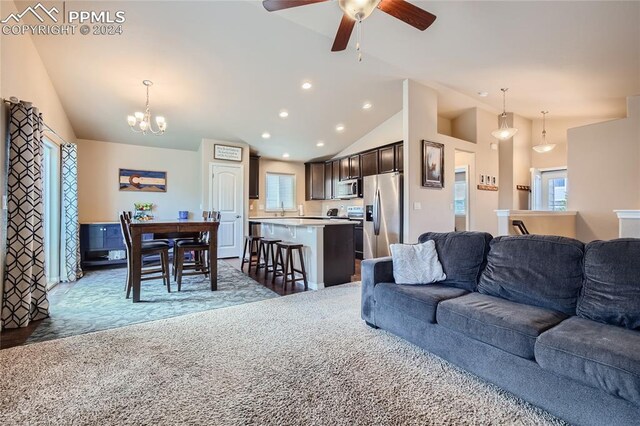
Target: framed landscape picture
point(432, 164)
point(142, 180)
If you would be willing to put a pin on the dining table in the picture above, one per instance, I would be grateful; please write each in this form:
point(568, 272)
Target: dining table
point(139, 228)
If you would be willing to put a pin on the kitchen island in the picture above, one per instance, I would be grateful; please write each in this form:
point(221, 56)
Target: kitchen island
point(328, 246)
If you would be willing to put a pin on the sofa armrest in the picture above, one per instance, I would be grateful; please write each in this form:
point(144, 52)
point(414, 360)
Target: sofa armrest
point(373, 271)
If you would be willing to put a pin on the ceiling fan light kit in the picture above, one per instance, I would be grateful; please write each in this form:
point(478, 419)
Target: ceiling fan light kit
point(544, 146)
point(141, 122)
point(504, 132)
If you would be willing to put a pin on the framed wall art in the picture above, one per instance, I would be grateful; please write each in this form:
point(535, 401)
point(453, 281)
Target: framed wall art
point(432, 165)
point(142, 180)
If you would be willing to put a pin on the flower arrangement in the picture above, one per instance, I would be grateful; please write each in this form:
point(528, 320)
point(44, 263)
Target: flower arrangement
point(143, 211)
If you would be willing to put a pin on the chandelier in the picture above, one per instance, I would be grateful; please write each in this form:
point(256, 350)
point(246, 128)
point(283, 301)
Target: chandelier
point(504, 132)
point(140, 122)
point(544, 146)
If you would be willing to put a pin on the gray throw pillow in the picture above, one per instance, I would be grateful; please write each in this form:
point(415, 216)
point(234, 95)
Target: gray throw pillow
point(416, 263)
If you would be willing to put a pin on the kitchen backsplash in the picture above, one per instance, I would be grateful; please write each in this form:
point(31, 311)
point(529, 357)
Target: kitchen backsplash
point(311, 208)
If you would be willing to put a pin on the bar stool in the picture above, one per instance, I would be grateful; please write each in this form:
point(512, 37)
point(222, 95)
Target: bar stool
point(285, 263)
point(253, 243)
point(266, 248)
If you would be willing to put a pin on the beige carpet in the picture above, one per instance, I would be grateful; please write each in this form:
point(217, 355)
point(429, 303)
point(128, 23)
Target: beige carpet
point(302, 359)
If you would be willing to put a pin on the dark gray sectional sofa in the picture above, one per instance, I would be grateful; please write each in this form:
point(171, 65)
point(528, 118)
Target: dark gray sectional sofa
point(549, 319)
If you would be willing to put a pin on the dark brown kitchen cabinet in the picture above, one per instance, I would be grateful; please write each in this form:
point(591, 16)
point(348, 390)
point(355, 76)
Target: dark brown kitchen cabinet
point(345, 173)
point(314, 179)
point(369, 163)
point(328, 181)
point(387, 159)
point(354, 166)
point(399, 156)
point(335, 178)
point(254, 177)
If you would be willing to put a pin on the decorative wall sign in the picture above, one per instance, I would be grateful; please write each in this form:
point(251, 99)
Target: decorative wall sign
point(142, 181)
point(226, 152)
point(432, 164)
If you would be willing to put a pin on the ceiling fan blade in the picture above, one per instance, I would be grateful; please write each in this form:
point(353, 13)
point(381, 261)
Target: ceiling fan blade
point(344, 33)
point(273, 5)
point(406, 12)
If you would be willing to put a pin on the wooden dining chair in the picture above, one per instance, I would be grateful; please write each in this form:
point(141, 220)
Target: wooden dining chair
point(200, 248)
point(149, 271)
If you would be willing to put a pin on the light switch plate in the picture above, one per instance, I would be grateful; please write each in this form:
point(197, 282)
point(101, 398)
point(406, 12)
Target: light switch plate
point(417, 205)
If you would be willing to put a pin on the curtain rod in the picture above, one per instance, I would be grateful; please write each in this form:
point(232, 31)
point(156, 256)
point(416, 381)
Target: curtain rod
point(14, 100)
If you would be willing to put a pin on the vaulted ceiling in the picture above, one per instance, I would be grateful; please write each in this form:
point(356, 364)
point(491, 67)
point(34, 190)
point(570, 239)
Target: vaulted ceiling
point(225, 69)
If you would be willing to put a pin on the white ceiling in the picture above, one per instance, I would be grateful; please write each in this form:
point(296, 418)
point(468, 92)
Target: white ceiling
point(224, 69)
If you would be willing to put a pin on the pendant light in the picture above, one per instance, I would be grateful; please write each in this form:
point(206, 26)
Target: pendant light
point(543, 146)
point(504, 132)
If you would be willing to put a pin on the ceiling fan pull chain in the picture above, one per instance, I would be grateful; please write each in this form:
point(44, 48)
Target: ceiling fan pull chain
point(359, 38)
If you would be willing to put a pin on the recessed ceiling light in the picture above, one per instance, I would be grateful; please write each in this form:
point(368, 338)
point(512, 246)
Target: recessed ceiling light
point(340, 128)
point(483, 94)
point(285, 155)
point(307, 85)
point(367, 105)
point(283, 114)
point(266, 135)
point(320, 143)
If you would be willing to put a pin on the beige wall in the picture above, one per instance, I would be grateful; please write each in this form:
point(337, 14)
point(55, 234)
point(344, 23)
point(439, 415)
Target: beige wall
point(603, 165)
point(556, 133)
point(99, 197)
point(289, 167)
point(420, 121)
point(464, 126)
point(388, 132)
point(515, 164)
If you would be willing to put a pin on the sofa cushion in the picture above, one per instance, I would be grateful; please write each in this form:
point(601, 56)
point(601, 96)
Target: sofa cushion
point(599, 355)
point(538, 270)
point(510, 326)
point(417, 301)
point(611, 289)
point(462, 255)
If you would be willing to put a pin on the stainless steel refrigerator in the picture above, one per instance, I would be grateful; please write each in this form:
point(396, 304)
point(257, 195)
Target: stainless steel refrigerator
point(383, 213)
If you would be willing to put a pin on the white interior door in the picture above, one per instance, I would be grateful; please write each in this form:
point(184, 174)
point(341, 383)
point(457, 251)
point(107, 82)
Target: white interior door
point(226, 197)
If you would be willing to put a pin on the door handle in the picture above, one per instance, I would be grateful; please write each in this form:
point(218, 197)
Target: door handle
point(376, 214)
point(238, 216)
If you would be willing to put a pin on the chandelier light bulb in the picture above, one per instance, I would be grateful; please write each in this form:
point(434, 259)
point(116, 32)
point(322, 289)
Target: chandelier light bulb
point(131, 120)
point(143, 125)
point(139, 115)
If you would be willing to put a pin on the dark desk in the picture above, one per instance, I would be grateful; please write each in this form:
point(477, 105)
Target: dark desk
point(138, 228)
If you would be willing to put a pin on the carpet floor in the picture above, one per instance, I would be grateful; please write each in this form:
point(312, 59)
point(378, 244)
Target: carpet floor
point(305, 359)
point(97, 301)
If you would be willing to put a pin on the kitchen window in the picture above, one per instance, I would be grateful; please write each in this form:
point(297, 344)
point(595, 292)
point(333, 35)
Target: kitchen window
point(280, 192)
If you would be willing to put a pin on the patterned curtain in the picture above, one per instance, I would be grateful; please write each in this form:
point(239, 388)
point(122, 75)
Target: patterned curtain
point(25, 286)
point(70, 269)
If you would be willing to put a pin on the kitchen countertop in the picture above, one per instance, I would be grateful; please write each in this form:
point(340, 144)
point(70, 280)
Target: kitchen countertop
point(301, 222)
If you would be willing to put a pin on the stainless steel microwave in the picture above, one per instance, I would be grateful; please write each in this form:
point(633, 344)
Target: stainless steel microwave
point(349, 189)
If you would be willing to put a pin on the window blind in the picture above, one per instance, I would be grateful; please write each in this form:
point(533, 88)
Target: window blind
point(281, 191)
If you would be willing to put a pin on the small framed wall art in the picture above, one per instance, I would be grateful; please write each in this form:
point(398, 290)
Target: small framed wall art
point(432, 165)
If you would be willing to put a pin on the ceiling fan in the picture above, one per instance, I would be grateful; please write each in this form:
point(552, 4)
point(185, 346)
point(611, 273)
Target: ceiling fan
point(355, 11)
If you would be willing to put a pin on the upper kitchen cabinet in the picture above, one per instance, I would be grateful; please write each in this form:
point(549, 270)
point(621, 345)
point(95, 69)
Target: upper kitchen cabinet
point(335, 178)
point(314, 181)
point(328, 180)
point(254, 177)
point(387, 159)
point(344, 169)
point(354, 166)
point(399, 156)
point(369, 163)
